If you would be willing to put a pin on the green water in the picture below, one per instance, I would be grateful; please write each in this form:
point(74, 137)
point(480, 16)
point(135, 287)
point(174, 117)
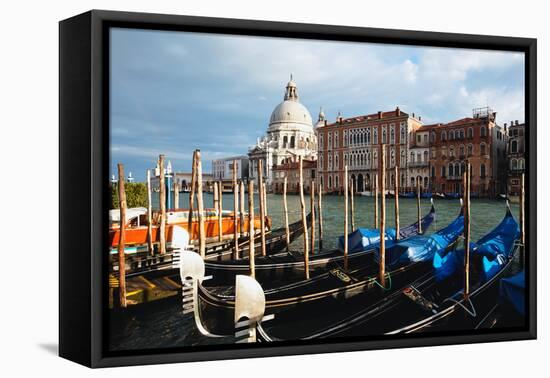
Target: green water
point(485, 214)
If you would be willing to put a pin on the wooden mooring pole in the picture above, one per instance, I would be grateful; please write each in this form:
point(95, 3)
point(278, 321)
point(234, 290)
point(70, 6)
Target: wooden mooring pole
point(176, 195)
point(162, 200)
point(396, 196)
point(320, 205)
point(382, 270)
point(304, 220)
point(352, 205)
point(122, 238)
point(220, 211)
point(149, 216)
point(192, 194)
point(200, 205)
point(312, 209)
point(241, 203)
point(262, 207)
point(285, 208)
point(376, 201)
point(251, 251)
point(418, 210)
point(235, 212)
point(346, 182)
point(466, 182)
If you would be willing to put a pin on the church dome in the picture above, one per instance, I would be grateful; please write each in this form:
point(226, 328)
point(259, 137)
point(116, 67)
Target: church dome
point(290, 112)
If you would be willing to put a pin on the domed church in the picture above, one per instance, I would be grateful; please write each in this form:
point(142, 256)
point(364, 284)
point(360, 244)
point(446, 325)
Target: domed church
point(290, 134)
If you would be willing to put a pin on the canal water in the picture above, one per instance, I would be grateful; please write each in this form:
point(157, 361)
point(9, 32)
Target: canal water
point(162, 325)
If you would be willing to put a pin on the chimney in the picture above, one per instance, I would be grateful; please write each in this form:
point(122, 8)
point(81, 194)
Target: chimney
point(413, 115)
point(379, 114)
point(517, 122)
point(420, 118)
point(398, 112)
point(326, 122)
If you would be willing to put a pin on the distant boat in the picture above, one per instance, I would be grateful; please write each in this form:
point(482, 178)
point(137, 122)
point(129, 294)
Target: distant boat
point(407, 195)
point(426, 195)
point(440, 195)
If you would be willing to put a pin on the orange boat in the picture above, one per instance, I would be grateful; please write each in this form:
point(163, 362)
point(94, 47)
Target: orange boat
point(136, 225)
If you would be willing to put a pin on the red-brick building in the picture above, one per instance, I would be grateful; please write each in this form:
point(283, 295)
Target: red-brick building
point(356, 141)
point(477, 139)
point(515, 154)
point(290, 168)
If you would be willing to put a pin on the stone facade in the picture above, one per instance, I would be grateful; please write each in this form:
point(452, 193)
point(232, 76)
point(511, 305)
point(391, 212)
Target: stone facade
point(515, 153)
point(356, 141)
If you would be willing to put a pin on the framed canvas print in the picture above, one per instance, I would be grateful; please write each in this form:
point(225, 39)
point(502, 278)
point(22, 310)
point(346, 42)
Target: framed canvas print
point(233, 188)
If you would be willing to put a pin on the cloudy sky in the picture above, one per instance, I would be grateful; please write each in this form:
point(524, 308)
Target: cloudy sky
point(172, 92)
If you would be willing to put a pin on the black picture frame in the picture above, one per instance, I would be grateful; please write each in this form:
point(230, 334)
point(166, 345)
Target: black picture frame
point(83, 166)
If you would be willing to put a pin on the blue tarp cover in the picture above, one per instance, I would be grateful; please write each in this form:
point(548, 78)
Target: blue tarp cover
point(365, 238)
point(495, 248)
point(512, 290)
point(423, 248)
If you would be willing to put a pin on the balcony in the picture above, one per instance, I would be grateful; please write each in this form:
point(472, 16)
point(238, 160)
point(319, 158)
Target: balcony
point(454, 177)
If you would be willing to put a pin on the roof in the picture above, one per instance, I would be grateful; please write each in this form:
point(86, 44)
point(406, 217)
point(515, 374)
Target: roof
point(372, 117)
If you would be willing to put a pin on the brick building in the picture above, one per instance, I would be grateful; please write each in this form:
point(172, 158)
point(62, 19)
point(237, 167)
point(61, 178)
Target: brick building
point(515, 156)
point(477, 139)
point(289, 168)
point(356, 141)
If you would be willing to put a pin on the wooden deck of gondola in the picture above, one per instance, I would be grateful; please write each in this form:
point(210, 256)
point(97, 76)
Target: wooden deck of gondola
point(141, 290)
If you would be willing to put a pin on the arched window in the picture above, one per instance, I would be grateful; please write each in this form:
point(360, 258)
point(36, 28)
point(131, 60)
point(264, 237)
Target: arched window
point(320, 161)
point(483, 131)
point(367, 133)
point(321, 182)
point(470, 132)
point(470, 150)
point(521, 164)
point(461, 150)
point(330, 162)
point(451, 135)
point(514, 146)
point(336, 182)
point(375, 135)
point(482, 170)
point(433, 171)
point(513, 164)
point(330, 182)
point(462, 168)
point(442, 171)
point(451, 169)
point(293, 141)
point(336, 144)
point(443, 136)
point(384, 136)
point(432, 137)
point(482, 149)
point(336, 165)
point(403, 138)
point(285, 141)
point(412, 157)
point(451, 152)
point(345, 141)
point(426, 156)
point(392, 134)
point(403, 159)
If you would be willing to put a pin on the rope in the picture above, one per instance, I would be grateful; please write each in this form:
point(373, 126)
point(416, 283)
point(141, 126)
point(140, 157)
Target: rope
point(472, 313)
point(382, 287)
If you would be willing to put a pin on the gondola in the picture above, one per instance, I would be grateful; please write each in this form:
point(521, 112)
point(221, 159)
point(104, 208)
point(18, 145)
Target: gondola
point(435, 300)
point(289, 266)
point(407, 195)
point(220, 251)
point(336, 287)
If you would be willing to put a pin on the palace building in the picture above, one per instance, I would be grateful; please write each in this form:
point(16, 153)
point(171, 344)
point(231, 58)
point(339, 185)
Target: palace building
point(515, 153)
point(289, 135)
point(478, 140)
point(356, 141)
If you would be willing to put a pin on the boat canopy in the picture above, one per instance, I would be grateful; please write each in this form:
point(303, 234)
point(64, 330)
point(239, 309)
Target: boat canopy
point(365, 238)
point(131, 214)
point(512, 291)
point(423, 248)
point(494, 248)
